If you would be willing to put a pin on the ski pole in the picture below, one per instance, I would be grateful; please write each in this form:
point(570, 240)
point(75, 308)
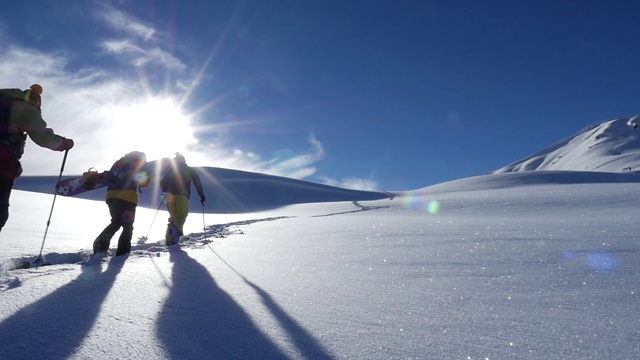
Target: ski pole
point(40, 259)
point(154, 217)
point(204, 226)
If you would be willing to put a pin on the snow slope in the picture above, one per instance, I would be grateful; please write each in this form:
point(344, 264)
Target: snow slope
point(518, 265)
point(610, 146)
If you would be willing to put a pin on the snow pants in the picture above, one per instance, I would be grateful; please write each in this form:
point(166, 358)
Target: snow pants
point(6, 184)
point(178, 207)
point(123, 214)
point(10, 169)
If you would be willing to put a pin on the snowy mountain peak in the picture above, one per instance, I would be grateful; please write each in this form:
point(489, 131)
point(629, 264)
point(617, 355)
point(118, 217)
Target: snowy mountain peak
point(609, 146)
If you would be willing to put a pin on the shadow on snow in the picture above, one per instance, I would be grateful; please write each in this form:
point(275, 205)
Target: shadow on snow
point(67, 314)
point(199, 319)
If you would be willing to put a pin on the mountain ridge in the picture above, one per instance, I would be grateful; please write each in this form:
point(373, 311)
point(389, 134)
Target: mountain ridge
point(609, 146)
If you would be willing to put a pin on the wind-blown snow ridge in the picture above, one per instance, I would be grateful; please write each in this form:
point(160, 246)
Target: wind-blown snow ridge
point(610, 146)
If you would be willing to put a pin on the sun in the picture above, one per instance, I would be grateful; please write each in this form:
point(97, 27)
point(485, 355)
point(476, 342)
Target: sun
point(157, 126)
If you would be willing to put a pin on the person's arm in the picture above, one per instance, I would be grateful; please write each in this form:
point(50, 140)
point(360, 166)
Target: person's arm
point(25, 117)
point(198, 184)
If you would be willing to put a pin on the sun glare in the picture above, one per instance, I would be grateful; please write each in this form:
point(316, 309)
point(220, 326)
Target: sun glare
point(156, 127)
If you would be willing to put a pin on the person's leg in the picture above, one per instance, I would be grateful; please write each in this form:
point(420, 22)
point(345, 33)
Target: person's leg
point(181, 212)
point(10, 169)
point(128, 211)
point(6, 184)
point(102, 242)
point(171, 207)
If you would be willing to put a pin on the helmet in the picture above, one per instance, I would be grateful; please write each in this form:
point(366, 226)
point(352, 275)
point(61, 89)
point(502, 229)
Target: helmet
point(32, 96)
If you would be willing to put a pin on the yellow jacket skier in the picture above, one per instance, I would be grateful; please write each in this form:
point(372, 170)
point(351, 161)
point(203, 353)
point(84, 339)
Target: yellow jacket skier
point(124, 180)
point(177, 188)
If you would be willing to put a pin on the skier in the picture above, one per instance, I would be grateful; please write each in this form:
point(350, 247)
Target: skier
point(20, 115)
point(124, 180)
point(177, 188)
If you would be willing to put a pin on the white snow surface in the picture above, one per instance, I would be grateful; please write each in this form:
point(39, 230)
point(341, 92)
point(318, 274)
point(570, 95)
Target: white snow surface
point(609, 146)
point(512, 265)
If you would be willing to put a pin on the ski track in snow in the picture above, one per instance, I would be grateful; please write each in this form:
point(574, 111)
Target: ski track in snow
point(139, 248)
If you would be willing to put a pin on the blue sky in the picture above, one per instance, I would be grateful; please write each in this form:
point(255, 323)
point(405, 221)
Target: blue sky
point(387, 95)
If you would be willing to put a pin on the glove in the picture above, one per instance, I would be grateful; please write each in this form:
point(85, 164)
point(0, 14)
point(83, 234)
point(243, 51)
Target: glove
point(202, 199)
point(67, 144)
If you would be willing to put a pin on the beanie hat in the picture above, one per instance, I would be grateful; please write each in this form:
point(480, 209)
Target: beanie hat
point(32, 96)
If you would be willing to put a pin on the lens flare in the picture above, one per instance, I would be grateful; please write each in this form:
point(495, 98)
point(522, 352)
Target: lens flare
point(244, 92)
point(283, 155)
point(411, 201)
point(433, 207)
point(141, 177)
point(602, 262)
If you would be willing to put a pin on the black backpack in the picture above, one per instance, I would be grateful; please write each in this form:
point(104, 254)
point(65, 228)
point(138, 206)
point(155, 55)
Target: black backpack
point(15, 142)
point(5, 111)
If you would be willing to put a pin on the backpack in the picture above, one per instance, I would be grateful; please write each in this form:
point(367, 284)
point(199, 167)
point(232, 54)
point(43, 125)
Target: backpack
point(11, 145)
point(13, 142)
point(177, 181)
point(5, 111)
point(121, 175)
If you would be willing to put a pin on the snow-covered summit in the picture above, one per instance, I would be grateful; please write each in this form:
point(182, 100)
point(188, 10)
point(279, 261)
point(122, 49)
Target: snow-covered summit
point(610, 146)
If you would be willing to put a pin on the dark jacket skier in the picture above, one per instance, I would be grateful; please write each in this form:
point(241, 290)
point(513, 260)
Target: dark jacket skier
point(20, 116)
point(124, 180)
point(177, 188)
